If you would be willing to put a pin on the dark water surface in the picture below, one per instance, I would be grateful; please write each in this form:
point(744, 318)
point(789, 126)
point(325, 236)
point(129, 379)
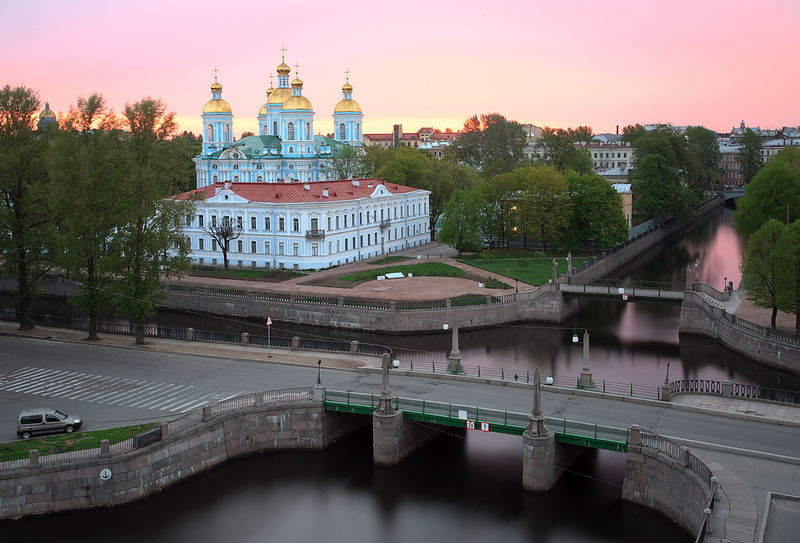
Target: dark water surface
point(461, 487)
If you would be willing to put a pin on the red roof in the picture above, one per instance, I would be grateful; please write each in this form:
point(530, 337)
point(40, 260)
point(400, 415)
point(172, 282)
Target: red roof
point(286, 193)
point(378, 137)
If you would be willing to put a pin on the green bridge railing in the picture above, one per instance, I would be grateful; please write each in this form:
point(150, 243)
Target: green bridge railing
point(458, 415)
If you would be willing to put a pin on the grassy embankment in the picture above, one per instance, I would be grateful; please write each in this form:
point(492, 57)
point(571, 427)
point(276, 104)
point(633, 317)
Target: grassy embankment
point(521, 265)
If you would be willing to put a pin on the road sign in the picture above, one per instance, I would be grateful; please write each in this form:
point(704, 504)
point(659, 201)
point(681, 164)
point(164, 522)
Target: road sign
point(484, 427)
point(625, 297)
point(470, 425)
point(269, 321)
point(105, 474)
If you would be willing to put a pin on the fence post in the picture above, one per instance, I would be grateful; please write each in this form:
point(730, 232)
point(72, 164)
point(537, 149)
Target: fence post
point(392, 306)
point(448, 303)
point(293, 298)
point(33, 458)
point(684, 454)
point(295, 343)
point(164, 427)
point(340, 301)
point(245, 338)
point(634, 436)
point(727, 388)
point(190, 334)
point(206, 413)
point(47, 320)
point(663, 392)
point(105, 448)
point(354, 346)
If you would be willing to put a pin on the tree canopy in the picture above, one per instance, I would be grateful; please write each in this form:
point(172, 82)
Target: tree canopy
point(760, 267)
point(749, 156)
point(490, 143)
point(558, 149)
point(597, 215)
point(774, 193)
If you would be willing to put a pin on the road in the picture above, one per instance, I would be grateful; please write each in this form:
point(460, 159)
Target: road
point(111, 386)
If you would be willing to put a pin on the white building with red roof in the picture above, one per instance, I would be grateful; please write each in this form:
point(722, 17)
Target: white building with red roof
point(305, 226)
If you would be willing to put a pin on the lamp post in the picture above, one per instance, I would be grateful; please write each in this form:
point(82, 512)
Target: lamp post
point(454, 358)
point(319, 372)
point(724, 283)
point(585, 379)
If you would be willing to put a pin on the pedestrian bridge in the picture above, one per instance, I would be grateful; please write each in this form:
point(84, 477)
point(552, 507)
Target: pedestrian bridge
point(481, 419)
point(627, 293)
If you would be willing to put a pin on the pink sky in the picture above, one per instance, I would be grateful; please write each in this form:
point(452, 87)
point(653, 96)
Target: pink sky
point(709, 62)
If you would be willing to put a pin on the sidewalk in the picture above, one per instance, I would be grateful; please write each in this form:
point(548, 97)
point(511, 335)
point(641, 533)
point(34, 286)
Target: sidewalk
point(768, 410)
point(222, 350)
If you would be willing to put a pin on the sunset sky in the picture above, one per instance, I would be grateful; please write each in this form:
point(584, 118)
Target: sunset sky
point(709, 62)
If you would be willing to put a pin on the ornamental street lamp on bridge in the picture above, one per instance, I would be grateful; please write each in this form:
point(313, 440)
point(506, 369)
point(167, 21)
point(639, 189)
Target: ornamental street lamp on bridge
point(585, 379)
point(454, 358)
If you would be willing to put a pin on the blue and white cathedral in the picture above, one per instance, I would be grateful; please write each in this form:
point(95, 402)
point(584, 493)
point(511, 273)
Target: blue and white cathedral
point(285, 149)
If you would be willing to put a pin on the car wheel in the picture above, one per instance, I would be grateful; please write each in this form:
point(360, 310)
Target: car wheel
point(69, 429)
point(25, 435)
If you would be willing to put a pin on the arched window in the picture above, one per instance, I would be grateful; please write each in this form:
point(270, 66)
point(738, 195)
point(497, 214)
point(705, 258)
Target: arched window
point(215, 179)
point(227, 133)
point(210, 135)
point(235, 178)
point(358, 131)
point(265, 130)
point(274, 128)
point(290, 131)
point(308, 131)
point(342, 134)
point(260, 179)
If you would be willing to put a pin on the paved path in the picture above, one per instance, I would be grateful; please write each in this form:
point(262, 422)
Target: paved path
point(739, 406)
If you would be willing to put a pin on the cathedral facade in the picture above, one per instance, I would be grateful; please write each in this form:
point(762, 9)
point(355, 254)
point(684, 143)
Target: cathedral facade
point(285, 150)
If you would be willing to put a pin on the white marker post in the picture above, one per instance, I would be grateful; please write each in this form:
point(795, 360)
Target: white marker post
point(269, 336)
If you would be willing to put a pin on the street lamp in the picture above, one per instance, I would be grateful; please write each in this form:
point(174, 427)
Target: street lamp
point(724, 283)
point(454, 358)
point(585, 379)
point(319, 372)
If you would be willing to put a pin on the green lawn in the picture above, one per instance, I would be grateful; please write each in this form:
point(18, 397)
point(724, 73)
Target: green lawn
point(245, 273)
point(390, 260)
point(425, 269)
point(535, 272)
point(59, 443)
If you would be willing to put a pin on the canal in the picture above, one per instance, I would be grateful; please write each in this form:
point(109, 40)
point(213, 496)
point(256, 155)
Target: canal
point(464, 486)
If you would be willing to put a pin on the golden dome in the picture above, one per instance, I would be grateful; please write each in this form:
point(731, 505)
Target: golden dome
point(347, 87)
point(216, 86)
point(297, 82)
point(297, 102)
point(47, 113)
point(347, 106)
point(283, 69)
point(279, 96)
point(217, 106)
point(270, 90)
point(263, 110)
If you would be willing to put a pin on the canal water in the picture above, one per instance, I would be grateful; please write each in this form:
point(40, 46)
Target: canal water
point(464, 486)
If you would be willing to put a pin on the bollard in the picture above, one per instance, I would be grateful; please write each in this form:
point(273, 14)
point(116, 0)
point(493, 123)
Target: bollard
point(392, 306)
point(33, 458)
point(245, 338)
point(295, 343)
point(164, 427)
point(105, 448)
point(448, 303)
point(190, 334)
point(206, 413)
point(727, 388)
point(354, 346)
point(707, 513)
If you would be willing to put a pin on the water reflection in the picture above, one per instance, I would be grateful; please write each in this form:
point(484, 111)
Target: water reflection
point(462, 487)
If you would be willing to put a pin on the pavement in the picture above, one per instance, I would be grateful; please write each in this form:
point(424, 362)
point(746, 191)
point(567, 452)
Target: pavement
point(721, 404)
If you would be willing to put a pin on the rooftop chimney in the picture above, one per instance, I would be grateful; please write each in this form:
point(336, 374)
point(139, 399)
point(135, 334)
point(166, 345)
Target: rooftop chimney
point(227, 185)
point(325, 193)
point(356, 183)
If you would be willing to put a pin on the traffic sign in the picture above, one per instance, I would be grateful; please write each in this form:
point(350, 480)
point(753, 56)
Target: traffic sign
point(470, 425)
point(484, 427)
point(269, 321)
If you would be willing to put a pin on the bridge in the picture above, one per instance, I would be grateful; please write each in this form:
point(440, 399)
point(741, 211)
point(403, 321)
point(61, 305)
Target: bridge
point(626, 293)
point(732, 194)
point(481, 418)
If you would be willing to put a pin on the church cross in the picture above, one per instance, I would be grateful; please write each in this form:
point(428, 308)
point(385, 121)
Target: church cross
point(215, 73)
point(347, 74)
point(296, 69)
point(283, 52)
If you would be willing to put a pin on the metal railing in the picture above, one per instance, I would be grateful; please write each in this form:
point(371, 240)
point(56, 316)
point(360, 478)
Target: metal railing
point(735, 390)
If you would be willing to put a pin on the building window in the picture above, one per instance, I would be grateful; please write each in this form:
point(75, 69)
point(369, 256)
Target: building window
point(329, 223)
point(266, 223)
point(252, 223)
point(214, 179)
point(291, 151)
point(342, 132)
point(345, 244)
point(265, 130)
point(238, 246)
point(296, 249)
point(290, 131)
point(200, 221)
point(260, 179)
point(274, 128)
point(345, 220)
point(210, 133)
point(266, 247)
point(239, 222)
point(358, 131)
point(253, 247)
point(315, 223)
point(281, 246)
point(281, 224)
point(227, 133)
point(295, 224)
point(337, 222)
point(308, 131)
point(315, 249)
point(213, 221)
point(200, 244)
point(213, 245)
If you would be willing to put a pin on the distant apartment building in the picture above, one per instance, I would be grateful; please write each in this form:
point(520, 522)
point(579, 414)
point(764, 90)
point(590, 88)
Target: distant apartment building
point(606, 156)
point(435, 139)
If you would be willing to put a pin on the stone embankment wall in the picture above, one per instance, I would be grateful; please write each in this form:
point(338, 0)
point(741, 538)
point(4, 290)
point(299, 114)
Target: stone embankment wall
point(668, 483)
point(48, 488)
point(757, 342)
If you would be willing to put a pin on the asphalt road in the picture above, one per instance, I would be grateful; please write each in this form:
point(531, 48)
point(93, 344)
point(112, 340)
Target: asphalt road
point(111, 386)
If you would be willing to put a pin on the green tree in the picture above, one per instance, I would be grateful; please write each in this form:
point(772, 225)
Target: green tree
point(760, 267)
point(418, 169)
point(663, 171)
point(489, 143)
point(544, 202)
point(558, 150)
point(346, 163)
point(787, 250)
point(597, 214)
point(704, 149)
point(774, 193)
point(749, 156)
point(86, 168)
point(632, 132)
point(581, 134)
point(175, 155)
point(26, 225)
point(460, 227)
point(151, 242)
